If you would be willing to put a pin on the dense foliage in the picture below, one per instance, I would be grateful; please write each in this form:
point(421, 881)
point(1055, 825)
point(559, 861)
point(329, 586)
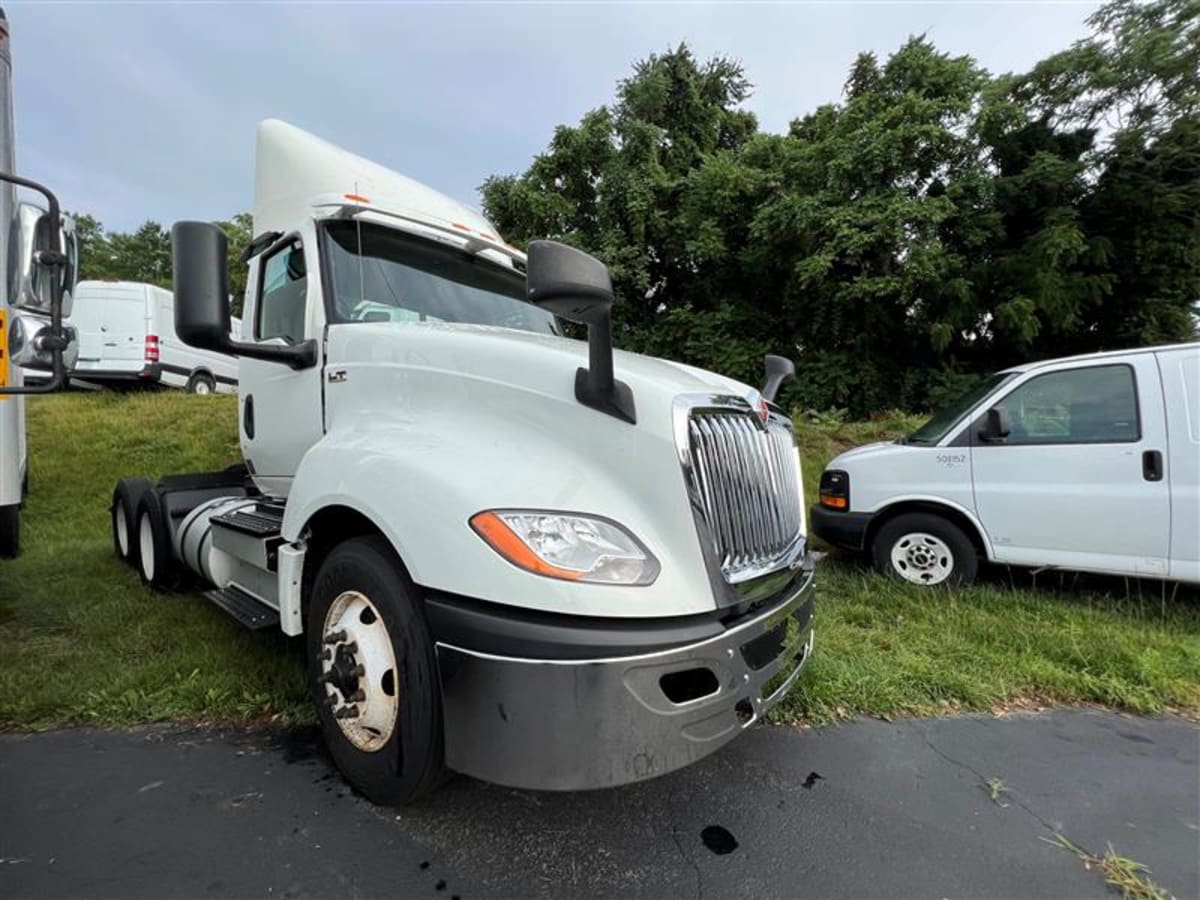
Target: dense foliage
point(937, 223)
point(145, 254)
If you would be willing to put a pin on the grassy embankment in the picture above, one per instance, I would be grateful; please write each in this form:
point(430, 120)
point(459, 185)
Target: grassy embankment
point(84, 642)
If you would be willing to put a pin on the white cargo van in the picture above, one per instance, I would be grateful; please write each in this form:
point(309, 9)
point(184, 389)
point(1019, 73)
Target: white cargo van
point(1090, 463)
point(127, 333)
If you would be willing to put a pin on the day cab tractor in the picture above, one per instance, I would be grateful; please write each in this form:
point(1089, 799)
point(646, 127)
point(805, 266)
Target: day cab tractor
point(527, 558)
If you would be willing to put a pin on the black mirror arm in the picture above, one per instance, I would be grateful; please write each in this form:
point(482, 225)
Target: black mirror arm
point(299, 356)
point(778, 370)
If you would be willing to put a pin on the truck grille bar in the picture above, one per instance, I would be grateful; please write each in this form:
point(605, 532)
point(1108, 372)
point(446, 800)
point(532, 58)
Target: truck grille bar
point(745, 479)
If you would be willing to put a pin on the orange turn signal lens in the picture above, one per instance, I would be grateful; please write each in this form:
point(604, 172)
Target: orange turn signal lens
point(504, 541)
point(833, 502)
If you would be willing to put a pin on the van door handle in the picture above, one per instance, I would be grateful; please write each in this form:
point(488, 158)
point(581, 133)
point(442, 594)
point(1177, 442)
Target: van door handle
point(1152, 467)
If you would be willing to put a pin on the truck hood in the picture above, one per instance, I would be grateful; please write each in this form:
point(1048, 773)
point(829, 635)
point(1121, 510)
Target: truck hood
point(540, 363)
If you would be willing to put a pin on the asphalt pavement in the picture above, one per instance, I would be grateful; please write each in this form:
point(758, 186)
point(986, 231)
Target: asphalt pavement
point(867, 809)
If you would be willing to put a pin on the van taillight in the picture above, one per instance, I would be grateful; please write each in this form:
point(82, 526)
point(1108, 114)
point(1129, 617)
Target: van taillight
point(834, 491)
point(152, 348)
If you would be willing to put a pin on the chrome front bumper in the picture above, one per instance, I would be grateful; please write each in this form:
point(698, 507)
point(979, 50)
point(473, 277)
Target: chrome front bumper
point(574, 724)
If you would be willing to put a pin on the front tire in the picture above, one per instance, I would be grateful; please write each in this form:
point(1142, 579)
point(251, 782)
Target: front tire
point(925, 549)
point(373, 673)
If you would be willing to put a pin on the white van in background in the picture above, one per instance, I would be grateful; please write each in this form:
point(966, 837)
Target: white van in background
point(127, 333)
point(1090, 463)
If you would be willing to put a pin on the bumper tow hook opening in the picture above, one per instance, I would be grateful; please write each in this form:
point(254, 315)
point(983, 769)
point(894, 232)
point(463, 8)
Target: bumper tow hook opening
point(689, 684)
point(744, 710)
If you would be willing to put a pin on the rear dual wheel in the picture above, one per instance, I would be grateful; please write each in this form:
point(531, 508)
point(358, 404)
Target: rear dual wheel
point(127, 495)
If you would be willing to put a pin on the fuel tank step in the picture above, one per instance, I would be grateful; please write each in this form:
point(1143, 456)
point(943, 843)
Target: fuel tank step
point(250, 611)
point(261, 522)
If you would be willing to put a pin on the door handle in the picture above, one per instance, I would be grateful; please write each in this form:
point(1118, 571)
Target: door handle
point(248, 416)
point(1152, 465)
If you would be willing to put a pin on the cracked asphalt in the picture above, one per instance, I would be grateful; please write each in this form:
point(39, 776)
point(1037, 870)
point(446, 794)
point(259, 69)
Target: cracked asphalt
point(867, 809)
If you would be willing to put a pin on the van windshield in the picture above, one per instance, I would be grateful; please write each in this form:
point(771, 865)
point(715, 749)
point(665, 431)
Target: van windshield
point(379, 274)
point(948, 416)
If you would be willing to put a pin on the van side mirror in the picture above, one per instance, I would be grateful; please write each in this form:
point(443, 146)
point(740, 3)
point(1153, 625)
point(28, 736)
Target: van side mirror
point(996, 425)
point(200, 277)
point(577, 287)
point(778, 369)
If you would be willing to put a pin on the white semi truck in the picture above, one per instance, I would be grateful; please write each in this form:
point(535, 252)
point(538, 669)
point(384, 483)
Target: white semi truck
point(510, 554)
point(38, 263)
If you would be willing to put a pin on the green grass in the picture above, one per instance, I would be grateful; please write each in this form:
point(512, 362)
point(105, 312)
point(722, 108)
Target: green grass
point(86, 643)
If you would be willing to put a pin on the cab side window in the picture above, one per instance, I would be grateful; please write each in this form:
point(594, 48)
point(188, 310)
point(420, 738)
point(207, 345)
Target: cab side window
point(282, 292)
point(1095, 405)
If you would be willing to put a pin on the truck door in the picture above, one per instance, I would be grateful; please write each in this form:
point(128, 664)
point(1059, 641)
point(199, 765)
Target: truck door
point(1080, 480)
point(281, 409)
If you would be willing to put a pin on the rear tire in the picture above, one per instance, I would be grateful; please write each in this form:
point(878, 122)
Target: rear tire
point(10, 531)
point(201, 383)
point(126, 496)
point(156, 562)
point(925, 549)
point(371, 658)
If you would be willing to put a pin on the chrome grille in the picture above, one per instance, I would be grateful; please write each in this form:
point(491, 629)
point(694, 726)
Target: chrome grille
point(745, 479)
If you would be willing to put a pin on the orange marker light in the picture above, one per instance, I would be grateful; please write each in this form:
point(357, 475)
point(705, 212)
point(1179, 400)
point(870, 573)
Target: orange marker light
point(504, 541)
point(357, 198)
point(833, 502)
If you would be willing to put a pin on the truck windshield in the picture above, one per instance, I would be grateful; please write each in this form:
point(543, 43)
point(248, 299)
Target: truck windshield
point(379, 274)
point(947, 417)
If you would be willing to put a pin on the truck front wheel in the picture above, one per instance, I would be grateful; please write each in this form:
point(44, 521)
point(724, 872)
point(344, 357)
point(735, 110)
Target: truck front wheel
point(925, 549)
point(373, 674)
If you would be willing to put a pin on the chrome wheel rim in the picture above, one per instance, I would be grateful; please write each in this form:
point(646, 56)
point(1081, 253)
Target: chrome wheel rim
point(121, 526)
point(922, 558)
point(146, 546)
point(358, 672)
point(202, 387)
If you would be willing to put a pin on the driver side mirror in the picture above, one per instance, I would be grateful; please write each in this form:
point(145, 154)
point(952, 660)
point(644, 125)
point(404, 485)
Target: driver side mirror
point(200, 278)
point(34, 238)
point(996, 425)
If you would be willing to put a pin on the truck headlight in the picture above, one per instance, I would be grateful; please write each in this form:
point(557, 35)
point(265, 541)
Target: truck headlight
point(567, 545)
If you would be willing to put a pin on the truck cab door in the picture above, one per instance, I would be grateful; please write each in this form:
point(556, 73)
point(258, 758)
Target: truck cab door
point(1078, 480)
point(281, 409)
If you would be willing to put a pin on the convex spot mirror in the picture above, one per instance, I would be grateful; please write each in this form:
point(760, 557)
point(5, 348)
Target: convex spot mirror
point(568, 282)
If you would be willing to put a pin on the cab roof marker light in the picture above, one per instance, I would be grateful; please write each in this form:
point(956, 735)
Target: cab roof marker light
point(357, 198)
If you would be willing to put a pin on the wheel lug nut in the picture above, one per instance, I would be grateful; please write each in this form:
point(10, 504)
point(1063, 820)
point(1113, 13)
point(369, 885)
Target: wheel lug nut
point(358, 696)
point(360, 671)
point(335, 637)
point(346, 712)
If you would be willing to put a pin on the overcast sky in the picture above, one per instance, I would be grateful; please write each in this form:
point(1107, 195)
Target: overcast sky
point(133, 111)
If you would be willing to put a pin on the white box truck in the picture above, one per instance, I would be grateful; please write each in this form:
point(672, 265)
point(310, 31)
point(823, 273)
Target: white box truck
point(38, 259)
point(127, 334)
point(511, 554)
point(1090, 463)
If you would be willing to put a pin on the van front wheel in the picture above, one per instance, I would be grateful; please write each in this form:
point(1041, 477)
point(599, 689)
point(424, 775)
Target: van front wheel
point(925, 549)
